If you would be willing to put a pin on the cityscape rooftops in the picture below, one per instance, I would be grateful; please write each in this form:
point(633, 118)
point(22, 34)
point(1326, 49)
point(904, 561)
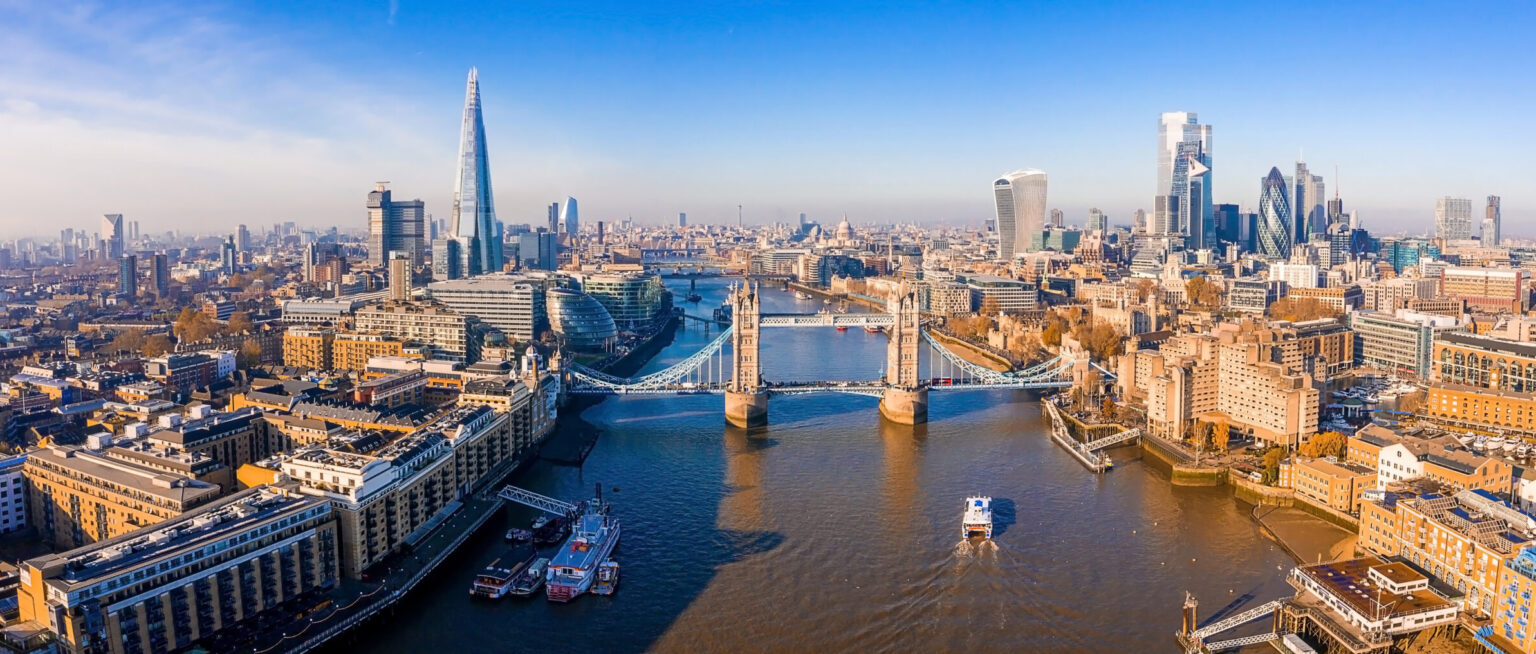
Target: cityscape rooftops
point(202, 527)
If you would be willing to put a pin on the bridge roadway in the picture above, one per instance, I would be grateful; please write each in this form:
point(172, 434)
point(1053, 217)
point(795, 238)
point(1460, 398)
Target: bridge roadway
point(872, 388)
point(827, 319)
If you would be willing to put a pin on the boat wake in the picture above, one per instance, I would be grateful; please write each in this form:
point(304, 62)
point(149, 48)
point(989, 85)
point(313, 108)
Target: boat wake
point(976, 549)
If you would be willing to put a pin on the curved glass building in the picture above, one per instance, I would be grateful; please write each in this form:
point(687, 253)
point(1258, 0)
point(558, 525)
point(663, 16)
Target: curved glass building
point(633, 299)
point(579, 320)
point(1020, 202)
point(1274, 233)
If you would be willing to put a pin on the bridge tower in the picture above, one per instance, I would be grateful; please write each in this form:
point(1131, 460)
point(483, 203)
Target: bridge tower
point(746, 402)
point(905, 399)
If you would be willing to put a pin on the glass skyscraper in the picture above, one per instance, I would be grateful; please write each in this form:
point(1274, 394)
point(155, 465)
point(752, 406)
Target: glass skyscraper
point(474, 212)
point(1274, 237)
point(1183, 201)
point(1020, 198)
point(1453, 218)
point(568, 218)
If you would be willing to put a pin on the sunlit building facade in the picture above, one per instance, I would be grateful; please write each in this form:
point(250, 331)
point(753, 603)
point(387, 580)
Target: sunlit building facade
point(1274, 237)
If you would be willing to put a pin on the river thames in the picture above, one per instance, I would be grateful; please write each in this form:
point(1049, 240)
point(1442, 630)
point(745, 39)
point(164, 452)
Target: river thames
point(833, 530)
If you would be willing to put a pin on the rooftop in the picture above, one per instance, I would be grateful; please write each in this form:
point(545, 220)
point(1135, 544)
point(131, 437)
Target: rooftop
point(1350, 582)
point(170, 539)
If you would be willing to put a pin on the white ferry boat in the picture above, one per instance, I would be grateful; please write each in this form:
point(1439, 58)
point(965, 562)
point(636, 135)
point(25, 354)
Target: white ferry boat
point(593, 537)
point(978, 517)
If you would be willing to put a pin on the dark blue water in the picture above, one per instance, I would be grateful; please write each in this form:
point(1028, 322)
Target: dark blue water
point(833, 530)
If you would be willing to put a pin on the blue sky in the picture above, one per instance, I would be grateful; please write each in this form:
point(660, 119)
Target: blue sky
point(201, 118)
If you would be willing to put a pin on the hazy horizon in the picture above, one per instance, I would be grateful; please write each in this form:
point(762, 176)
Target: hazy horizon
point(201, 119)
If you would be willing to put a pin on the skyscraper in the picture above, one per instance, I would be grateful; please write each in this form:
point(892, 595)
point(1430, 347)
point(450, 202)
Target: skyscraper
point(161, 275)
point(682, 219)
point(1229, 226)
point(1274, 237)
point(474, 212)
point(447, 259)
point(395, 227)
point(1020, 200)
point(1097, 221)
point(128, 277)
point(1181, 139)
point(568, 218)
point(227, 255)
point(399, 276)
point(554, 217)
point(1307, 204)
point(112, 234)
point(242, 239)
point(1057, 218)
point(1492, 221)
point(1453, 218)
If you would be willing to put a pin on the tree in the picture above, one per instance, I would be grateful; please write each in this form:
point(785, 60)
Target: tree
point(1272, 460)
point(1328, 443)
point(1051, 335)
point(1107, 410)
point(193, 325)
point(250, 354)
point(240, 322)
point(1221, 436)
point(1144, 289)
point(1203, 432)
point(1202, 293)
point(132, 340)
point(156, 345)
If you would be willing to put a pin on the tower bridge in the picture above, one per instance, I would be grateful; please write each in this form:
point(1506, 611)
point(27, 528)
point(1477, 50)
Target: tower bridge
point(730, 366)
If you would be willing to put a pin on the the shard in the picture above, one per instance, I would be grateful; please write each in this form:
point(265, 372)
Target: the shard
point(474, 213)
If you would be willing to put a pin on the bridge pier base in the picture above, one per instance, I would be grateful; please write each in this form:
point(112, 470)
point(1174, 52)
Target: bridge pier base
point(746, 409)
point(905, 407)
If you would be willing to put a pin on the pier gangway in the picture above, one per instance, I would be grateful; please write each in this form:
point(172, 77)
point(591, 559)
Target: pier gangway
point(1196, 638)
point(543, 503)
point(1241, 642)
point(1127, 435)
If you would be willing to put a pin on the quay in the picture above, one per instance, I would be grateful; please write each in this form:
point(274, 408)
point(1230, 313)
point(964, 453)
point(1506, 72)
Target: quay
point(1085, 453)
point(1093, 462)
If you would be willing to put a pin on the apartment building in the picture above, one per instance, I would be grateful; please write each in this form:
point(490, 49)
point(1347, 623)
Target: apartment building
point(80, 495)
point(1469, 406)
point(308, 348)
point(386, 488)
point(233, 438)
point(351, 351)
point(452, 335)
point(171, 586)
point(1485, 362)
point(1263, 398)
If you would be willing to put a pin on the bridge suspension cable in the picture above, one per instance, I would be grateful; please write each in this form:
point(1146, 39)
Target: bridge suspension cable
point(694, 367)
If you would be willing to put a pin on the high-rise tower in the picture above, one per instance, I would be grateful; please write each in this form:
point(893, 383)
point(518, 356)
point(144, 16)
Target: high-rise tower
point(1274, 236)
point(568, 218)
point(1492, 221)
point(474, 212)
point(112, 234)
point(1453, 218)
point(395, 227)
point(1182, 204)
point(1020, 200)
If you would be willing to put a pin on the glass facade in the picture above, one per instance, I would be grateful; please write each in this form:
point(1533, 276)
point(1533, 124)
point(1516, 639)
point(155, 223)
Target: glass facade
point(474, 212)
point(1274, 233)
point(1020, 198)
point(633, 300)
point(579, 320)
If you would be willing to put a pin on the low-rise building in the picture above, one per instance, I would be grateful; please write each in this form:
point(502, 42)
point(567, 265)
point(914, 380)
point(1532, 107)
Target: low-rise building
point(308, 348)
point(1332, 484)
point(1369, 600)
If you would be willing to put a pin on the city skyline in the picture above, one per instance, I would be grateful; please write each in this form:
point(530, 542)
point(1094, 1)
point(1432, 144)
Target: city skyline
point(677, 135)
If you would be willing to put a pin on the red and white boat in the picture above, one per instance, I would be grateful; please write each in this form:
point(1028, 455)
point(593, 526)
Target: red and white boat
point(594, 535)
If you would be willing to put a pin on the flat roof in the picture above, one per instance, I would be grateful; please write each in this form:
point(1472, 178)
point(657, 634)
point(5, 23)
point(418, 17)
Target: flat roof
point(192, 530)
point(1350, 582)
point(164, 485)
